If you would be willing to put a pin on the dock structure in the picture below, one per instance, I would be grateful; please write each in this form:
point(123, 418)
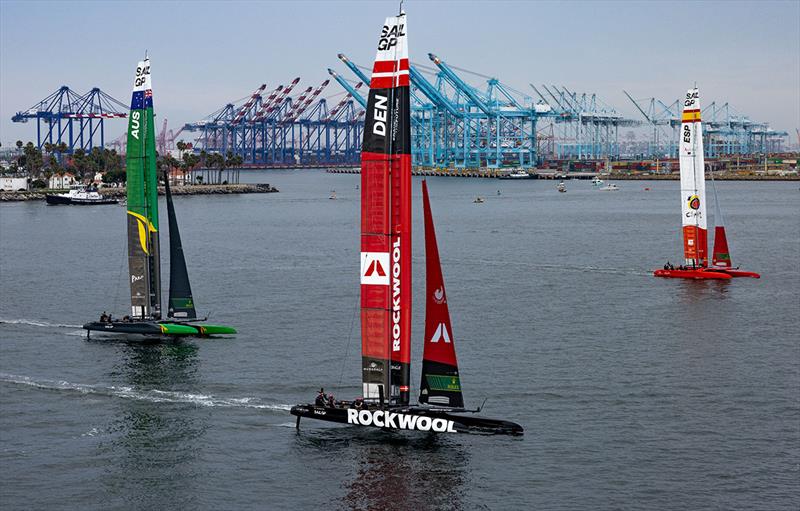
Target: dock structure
point(284, 130)
point(456, 126)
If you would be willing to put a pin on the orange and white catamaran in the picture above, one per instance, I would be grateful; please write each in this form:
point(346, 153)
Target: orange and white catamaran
point(693, 207)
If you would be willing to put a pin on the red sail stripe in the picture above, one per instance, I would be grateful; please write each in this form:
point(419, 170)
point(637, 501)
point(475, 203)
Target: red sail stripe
point(389, 82)
point(389, 66)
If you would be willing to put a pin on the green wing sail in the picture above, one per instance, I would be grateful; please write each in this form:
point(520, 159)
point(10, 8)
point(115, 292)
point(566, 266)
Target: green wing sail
point(142, 187)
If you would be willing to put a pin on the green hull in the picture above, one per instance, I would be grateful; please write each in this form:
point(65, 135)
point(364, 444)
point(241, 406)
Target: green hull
point(197, 329)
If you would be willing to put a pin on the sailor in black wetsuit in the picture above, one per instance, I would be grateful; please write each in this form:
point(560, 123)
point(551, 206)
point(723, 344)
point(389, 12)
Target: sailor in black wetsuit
point(320, 400)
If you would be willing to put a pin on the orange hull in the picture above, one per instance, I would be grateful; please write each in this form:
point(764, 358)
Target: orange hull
point(737, 273)
point(699, 274)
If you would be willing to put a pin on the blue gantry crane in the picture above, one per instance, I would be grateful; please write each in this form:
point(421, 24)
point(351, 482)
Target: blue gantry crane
point(76, 120)
point(725, 131)
point(282, 130)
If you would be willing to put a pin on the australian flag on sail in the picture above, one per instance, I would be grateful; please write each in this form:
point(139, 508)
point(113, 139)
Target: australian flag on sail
point(142, 99)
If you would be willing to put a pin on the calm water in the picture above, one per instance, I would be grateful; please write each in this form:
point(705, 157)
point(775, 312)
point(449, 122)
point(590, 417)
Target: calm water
point(635, 392)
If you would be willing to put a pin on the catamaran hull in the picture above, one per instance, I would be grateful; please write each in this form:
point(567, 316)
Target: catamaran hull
point(698, 274)
point(409, 419)
point(152, 329)
point(738, 273)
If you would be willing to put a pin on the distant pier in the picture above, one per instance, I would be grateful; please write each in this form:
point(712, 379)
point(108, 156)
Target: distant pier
point(120, 193)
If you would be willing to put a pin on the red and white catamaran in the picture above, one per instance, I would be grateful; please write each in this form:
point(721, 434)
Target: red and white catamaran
point(386, 277)
point(693, 207)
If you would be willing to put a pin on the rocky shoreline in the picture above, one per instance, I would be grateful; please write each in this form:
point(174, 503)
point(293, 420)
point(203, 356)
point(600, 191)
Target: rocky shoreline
point(120, 193)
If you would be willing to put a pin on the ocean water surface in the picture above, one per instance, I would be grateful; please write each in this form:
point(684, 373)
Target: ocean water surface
point(635, 392)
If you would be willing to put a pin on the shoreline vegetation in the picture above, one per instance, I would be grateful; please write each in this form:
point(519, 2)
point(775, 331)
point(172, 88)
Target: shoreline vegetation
point(120, 193)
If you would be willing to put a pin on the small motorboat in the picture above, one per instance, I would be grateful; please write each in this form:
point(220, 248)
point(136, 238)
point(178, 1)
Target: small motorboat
point(596, 181)
point(611, 187)
point(79, 195)
point(479, 200)
point(333, 195)
point(517, 174)
point(562, 187)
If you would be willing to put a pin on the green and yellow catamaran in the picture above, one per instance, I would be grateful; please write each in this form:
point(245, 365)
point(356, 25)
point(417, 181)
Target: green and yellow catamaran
point(144, 264)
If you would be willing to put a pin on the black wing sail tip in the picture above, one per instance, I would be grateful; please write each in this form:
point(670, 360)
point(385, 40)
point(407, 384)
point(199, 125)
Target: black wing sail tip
point(181, 302)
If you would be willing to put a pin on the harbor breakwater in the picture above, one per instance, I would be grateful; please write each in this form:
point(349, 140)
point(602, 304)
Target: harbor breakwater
point(120, 193)
point(559, 174)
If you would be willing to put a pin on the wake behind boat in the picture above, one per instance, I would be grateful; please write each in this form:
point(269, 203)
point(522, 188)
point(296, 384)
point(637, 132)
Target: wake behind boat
point(693, 207)
point(144, 254)
point(386, 278)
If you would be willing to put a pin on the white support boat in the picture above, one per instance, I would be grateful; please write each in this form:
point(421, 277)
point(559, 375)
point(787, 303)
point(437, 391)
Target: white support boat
point(79, 195)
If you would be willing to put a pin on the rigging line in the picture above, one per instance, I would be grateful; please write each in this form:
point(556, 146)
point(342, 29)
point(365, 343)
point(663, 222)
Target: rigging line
point(349, 338)
point(116, 285)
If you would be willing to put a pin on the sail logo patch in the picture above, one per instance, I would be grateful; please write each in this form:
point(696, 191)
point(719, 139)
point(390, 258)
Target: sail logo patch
point(385, 419)
point(374, 268)
point(135, 124)
point(438, 295)
point(379, 114)
point(441, 334)
point(389, 35)
point(396, 296)
point(145, 228)
point(694, 202)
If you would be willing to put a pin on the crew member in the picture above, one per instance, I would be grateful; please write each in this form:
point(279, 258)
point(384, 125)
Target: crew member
point(320, 400)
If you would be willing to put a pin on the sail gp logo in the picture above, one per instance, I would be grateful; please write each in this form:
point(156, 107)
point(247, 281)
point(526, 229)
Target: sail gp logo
point(389, 36)
point(386, 419)
point(374, 268)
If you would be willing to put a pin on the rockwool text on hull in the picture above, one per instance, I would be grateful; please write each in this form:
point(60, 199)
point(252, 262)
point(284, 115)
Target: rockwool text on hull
point(409, 419)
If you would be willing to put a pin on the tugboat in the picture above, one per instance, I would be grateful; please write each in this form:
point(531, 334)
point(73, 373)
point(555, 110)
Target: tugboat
point(79, 195)
point(385, 279)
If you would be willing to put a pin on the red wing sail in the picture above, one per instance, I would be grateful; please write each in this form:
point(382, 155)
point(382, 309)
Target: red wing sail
point(440, 381)
point(721, 255)
point(386, 222)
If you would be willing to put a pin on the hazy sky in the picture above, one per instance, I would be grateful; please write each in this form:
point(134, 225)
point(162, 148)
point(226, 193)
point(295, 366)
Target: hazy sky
point(205, 54)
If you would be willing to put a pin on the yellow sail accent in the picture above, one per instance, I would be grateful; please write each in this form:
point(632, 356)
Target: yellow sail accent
point(142, 221)
point(691, 116)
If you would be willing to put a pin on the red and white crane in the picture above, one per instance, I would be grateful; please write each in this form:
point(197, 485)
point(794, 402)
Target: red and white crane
point(332, 113)
point(303, 105)
point(285, 92)
point(248, 105)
